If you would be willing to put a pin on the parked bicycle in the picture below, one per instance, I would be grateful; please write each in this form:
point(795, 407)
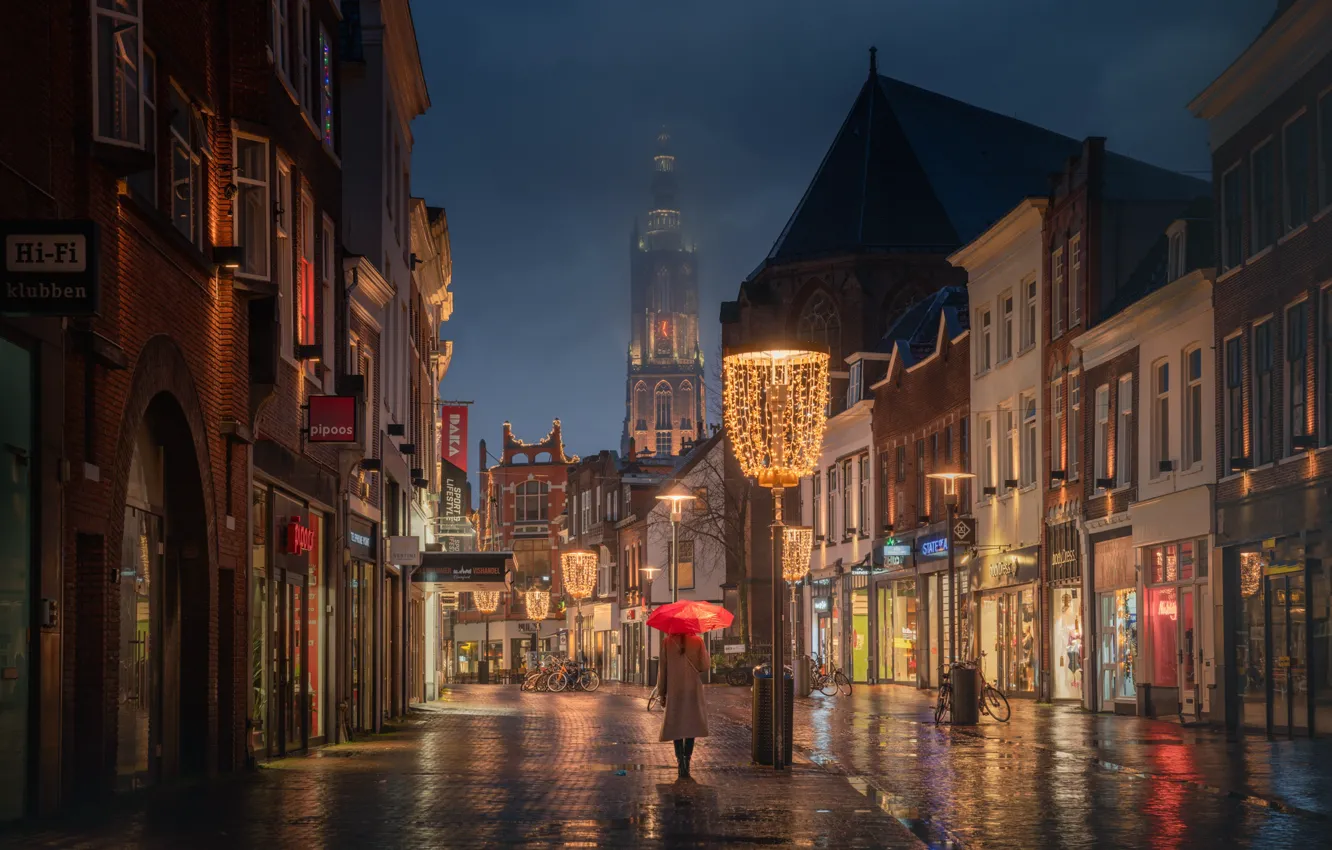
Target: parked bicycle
point(573, 676)
point(829, 679)
point(991, 700)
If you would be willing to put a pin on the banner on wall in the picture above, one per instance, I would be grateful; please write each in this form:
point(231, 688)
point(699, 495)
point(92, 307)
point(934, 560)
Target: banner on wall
point(453, 434)
point(454, 531)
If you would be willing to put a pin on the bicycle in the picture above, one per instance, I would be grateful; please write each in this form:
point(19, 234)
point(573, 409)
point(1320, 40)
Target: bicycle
point(654, 700)
point(830, 683)
point(990, 700)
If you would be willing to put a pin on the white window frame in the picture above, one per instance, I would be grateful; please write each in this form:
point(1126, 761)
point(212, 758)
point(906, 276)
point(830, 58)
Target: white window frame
point(1177, 253)
point(1124, 433)
point(987, 462)
point(148, 126)
point(848, 496)
point(119, 69)
point(1058, 292)
point(284, 255)
point(864, 506)
point(1029, 449)
point(816, 493)
point(853, 387)
point(196, 230)
point(1057, 442)
point(984, 321)
point(1102, 413)
point(1031, 313)
point(1074, 441)
point(280, 38)
point(1074, 279)
point(1007, 317)
point(238, 210)
point(831, 516)
point(1160, 416)
point(1008, 460)
point(1194, 413)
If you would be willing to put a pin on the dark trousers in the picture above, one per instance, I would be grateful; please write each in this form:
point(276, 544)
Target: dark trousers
point(684, 748)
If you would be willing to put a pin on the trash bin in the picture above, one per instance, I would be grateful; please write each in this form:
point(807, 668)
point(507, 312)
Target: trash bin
point(966, 696)
point(761, 716)
point(802, 675)
point(652, 672)
point(483, 672)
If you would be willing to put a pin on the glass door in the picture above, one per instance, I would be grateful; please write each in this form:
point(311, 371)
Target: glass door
point(1108, 654)
point(139, 681)
point(1188, 654)
point(1289, 688)
point(287, 647)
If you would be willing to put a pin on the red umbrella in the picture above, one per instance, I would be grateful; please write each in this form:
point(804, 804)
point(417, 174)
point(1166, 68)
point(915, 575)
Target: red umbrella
point(690, 617)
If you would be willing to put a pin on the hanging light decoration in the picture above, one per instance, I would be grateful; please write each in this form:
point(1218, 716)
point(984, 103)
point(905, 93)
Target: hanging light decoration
point(774, 406)
point(486, 600)
point(1251, 573)
point(797, 543)
point(538, 604)
point(580, 572)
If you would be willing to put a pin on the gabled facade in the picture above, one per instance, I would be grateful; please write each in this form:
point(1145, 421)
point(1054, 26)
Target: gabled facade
point(1269, 119)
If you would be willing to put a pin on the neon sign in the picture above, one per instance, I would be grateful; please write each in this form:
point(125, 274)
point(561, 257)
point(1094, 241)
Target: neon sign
point(937, 546)
point(300, 539)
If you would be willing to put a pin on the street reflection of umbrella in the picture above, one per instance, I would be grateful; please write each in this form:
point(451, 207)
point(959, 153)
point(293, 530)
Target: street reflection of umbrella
point(690, 617)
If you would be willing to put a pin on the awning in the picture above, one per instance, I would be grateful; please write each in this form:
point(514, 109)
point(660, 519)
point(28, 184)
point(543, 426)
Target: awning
point(464, 571)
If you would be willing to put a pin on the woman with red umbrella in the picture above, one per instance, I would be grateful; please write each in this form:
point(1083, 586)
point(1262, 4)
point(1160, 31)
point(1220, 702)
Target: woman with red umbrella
point(684, 657)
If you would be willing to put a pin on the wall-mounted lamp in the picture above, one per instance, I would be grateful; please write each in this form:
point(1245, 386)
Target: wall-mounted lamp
point(1011, 483)
point(1239, 464)
point(396, 430)
point(229, 256)
point(313, 351)
point(1057, 478)
point(1304, 442)
point(1105, 483)
point(1165, 466)
point(371, 464)
point(989, 491)
point(407, 448)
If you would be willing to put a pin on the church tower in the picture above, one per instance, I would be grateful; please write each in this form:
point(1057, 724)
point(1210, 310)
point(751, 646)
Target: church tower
point(664, 398)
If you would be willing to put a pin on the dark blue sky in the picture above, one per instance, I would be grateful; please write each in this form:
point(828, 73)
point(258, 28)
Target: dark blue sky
point(540, 132)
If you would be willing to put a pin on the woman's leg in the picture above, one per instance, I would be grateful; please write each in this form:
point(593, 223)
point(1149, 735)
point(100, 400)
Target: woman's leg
point(688, 747)
point(679, 750)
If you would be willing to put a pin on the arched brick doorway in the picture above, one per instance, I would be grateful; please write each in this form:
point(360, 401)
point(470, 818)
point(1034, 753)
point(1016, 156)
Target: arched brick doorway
point(162, 610)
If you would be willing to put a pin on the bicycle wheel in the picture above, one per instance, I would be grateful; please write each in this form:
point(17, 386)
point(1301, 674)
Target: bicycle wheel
point(944, 704)
point(557, 681)
point(653, 700)
point(995, 704)
point(827, 686)
point(589, 681)
point(843, 683)
point(530, 683)
point(736, 676)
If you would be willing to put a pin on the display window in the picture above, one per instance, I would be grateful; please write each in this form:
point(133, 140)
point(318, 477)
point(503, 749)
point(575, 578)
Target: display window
point(1067, 646)
point(1118, 650)
point(1008, 639)
point(904, 631)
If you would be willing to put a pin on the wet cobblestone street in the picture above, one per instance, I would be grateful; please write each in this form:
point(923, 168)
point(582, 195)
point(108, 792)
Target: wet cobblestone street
point(490, 766)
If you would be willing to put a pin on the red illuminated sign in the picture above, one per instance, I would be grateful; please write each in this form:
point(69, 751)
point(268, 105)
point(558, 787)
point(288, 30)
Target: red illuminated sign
point(333, 419)
point(453, 434)
point(299, 538)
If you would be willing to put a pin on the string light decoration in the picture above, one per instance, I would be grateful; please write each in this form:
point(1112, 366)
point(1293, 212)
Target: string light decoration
point(580, 572)
point(486, 601)
point(1251, 573)
point(774, 406)
point(797, 543)
point(538, 604)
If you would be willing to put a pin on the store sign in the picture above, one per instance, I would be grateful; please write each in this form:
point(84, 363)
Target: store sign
point(300, 539)
point(933, 547)
point(964, 530)
point(822, 604)
point(360, 539)
point(333, 419)
point(453, 434)
point(1064, 556)
point(733, 649)
point(469, 571)
point(894, 562)
point(404, 551)
point(901, 551)
point(528, 628)
point(50, 268)
point(1004, 568)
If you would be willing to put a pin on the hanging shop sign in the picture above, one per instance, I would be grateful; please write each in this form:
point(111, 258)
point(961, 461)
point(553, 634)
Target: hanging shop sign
point(404, 551)
point(1018, 566)
point(896, 550)
point(469, 571)
point(1065, 552)
point(528, 628)
point(50, 268)
point(360, 538)
point(822, 604)
point(453, 434)
point(333, 419)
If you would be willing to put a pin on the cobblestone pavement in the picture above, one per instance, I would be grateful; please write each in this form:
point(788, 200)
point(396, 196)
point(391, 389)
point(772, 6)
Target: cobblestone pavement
point(490, 766)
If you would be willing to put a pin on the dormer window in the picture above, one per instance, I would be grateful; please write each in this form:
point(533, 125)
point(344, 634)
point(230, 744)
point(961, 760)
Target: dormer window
point(855, 388)
point(1175, 260)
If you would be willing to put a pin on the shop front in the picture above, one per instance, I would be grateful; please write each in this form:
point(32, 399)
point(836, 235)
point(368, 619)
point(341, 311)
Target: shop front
point(361, 582)
point(931, 552)
point(289, 627)
point(633, 665)
point(1175, 575)
point(604, 652)
point(1068, 654)
point(823, 639)
point(1008, 627)
point(896, 621)
point(1116, 611)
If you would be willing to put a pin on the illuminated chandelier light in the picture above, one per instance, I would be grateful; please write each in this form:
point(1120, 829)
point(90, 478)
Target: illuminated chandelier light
point(486, 600)
point(797, 543)
point(1251, 573)
point(774, 407)
point(580, 572)
point(538, 604)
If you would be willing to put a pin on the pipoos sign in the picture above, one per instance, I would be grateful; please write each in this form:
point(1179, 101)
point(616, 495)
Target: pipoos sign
point(333, 419)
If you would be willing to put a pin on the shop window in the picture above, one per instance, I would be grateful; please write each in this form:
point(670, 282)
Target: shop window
point(1262, 197)
point(1067, 642)
point(1193, 408)
point(117, 81)
point(1074, 425)
point(1058, 292)
point(1297, 371)
point(1074, 279)
point(1124, 434)
point(1262, 393)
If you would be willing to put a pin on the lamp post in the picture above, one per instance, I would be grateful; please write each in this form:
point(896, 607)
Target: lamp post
point(651, 573)
point(950, 480)
point(486, 602)
point(537, 603)
point(677, 494)
point(797, 543)
point(774, 406)
point(580, 577)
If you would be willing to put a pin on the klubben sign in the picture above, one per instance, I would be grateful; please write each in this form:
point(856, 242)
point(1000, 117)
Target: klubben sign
point(50, 268)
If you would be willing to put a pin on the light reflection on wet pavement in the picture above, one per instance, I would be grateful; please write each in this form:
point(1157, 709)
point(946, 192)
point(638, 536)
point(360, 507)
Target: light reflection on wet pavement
point(489, 766)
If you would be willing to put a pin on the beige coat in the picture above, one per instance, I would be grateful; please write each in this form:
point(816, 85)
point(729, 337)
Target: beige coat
point(681, 688)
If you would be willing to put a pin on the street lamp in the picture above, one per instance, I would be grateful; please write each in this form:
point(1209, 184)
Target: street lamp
point(676, 495)
point(775, 408)
point(797, 543)
point(950, 480)
point(486, 602)
point(651, 573)
point(580, 577)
